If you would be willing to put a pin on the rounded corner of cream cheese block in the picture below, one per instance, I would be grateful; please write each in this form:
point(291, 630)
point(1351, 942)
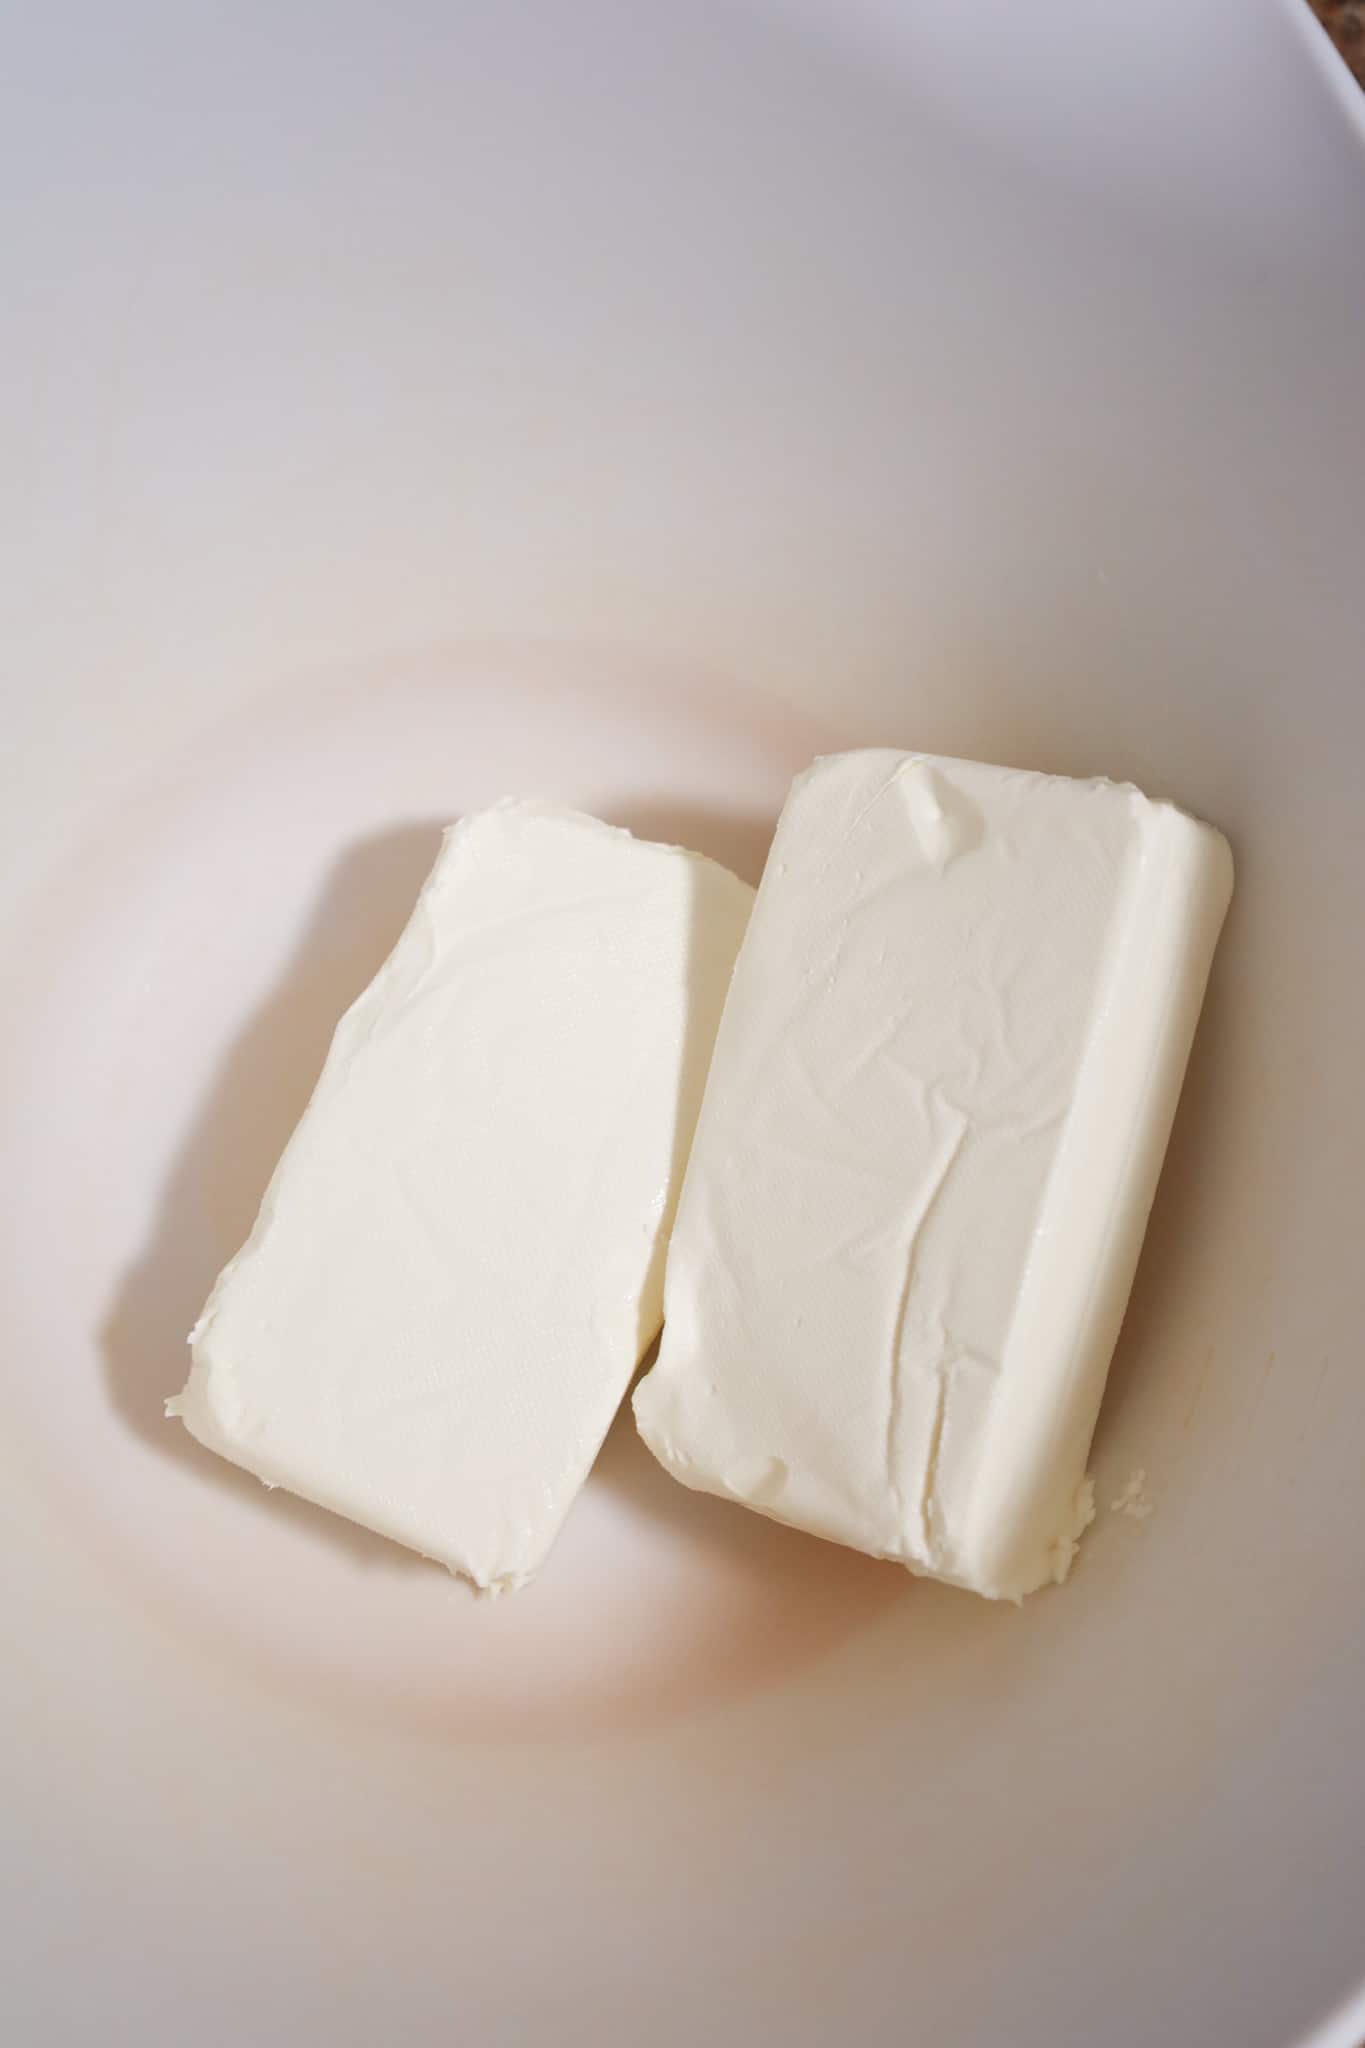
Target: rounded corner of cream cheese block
point(1200, 856)
point(644, 1403)
point(1009, 1556)
point(210, 1402)
point(193, 1405)
point(1202, 847)
point(1219, 860)
point(652, 1408)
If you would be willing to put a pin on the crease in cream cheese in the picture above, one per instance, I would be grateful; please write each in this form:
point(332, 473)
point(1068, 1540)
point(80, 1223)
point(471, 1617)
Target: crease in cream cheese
point(459, 1260)
point(940, 1096)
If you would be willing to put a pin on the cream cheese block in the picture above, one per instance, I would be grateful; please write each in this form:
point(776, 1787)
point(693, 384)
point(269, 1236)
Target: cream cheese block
point(459, 1260)
point(941, 1093)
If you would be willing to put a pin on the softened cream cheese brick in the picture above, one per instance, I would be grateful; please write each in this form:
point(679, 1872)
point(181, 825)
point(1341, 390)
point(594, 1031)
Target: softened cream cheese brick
point(459, 1260)
point(940, 1097)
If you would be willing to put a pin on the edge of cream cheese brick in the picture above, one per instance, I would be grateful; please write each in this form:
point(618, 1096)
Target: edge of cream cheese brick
point(211, 1405)
point(1028, 1510)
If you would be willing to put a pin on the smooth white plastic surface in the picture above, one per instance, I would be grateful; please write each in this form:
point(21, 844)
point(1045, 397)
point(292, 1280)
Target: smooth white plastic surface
point(402, 404)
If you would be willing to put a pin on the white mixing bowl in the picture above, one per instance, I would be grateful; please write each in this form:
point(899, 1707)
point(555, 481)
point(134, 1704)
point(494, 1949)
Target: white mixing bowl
point(408, 402)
